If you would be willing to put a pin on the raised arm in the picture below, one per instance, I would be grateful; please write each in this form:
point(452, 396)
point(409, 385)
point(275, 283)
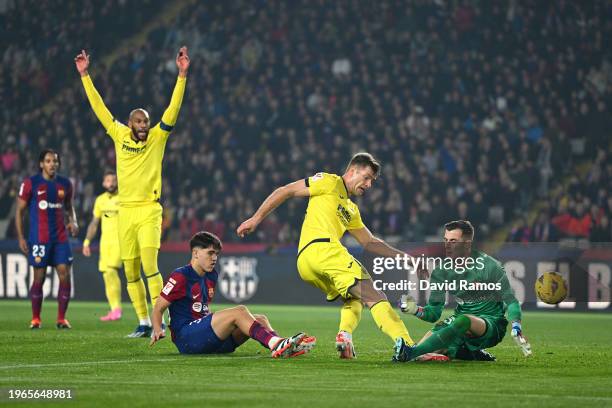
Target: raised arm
point(97, 104)
point(171, 113)
point(280, 195)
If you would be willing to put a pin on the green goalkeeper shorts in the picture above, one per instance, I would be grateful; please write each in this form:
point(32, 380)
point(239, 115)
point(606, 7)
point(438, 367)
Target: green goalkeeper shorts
point(496, 330)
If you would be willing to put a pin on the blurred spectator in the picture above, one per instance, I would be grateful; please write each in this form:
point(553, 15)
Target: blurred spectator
point(583, 208)
point(602, 231)
point(520, 232)
point(543, 230)
point(574, 222)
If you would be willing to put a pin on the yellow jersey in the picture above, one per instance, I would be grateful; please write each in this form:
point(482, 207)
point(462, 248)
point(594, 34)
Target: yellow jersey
point(106, 207)
point(139, 164)
point(330, 211)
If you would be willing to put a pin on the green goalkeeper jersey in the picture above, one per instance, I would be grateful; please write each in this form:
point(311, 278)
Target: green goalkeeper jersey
point(482, 290)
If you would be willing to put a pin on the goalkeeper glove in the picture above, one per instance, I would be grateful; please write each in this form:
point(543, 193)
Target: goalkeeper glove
point(408, 305)
point(519, 339)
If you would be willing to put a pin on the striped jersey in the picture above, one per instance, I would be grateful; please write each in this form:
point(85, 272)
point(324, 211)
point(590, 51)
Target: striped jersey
point(46, 202)
point(189, 294)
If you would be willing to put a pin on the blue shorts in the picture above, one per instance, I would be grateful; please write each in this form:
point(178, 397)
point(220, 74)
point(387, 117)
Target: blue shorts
point(198, 337)
point(53, 254)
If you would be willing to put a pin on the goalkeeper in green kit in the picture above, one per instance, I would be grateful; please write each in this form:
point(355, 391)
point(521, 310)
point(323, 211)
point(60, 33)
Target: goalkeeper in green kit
point(483, 296)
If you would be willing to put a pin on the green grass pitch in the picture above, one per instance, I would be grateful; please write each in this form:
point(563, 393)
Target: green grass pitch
point(571, 365)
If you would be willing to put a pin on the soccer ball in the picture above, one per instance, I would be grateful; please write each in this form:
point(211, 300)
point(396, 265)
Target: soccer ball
point(551, 288)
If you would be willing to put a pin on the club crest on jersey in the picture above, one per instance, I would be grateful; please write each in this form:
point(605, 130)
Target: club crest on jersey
point(61, 193)
point(37, 259)
point(211, 293)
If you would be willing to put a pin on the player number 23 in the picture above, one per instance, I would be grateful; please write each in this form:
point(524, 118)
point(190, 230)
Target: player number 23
point(38, 250)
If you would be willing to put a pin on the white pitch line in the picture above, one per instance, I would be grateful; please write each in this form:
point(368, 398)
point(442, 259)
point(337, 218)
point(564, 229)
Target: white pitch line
point(84, 363)
point(548, 396)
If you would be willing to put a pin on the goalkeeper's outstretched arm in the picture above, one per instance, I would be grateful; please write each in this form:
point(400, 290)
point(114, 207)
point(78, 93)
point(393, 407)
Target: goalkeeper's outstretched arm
point(515, 314)
point(429, 313)
point(435, 305)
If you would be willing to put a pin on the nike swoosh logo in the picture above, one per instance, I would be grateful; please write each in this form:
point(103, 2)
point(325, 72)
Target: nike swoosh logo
point(195, 297)
point(41, 192)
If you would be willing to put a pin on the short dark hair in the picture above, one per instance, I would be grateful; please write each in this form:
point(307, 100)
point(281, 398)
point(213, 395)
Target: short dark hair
point(465, 226)
point(41, 156)
point(109, 172)
point(205, 239)
point(364, 159)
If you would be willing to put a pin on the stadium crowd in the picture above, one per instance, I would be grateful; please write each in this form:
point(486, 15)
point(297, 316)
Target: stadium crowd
point(579, 210)
point(476, 109)
point(39, 36)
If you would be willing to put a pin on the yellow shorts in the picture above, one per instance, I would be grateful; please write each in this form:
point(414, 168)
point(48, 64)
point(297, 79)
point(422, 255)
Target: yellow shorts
point(330, 267)
point(139, 227)
point(110, 256)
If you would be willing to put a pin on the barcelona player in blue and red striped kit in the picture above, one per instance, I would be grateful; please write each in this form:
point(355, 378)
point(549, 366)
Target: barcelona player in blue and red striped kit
point(197, 330)
point(47, 197)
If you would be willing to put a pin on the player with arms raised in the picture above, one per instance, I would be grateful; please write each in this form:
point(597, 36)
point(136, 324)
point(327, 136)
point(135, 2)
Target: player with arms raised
point(479, 320)
point(105, 212)
point(323, 261)
point(196, 330)
point(46, 196)
point(139, 149)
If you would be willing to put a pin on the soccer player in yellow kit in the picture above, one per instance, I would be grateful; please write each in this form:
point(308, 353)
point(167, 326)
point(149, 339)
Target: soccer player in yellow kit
point(105, 211)
point(323, 261)
point(140, 151)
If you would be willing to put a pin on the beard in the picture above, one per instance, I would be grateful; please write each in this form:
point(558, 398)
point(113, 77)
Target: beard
point(137, 133)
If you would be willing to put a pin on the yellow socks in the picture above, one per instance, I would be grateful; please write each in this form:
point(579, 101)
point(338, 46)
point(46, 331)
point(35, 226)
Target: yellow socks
point(350, 315)
point(389, 322)
point(136, 288)
point(112, 286)
point(135, 285)
point(155, 282)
